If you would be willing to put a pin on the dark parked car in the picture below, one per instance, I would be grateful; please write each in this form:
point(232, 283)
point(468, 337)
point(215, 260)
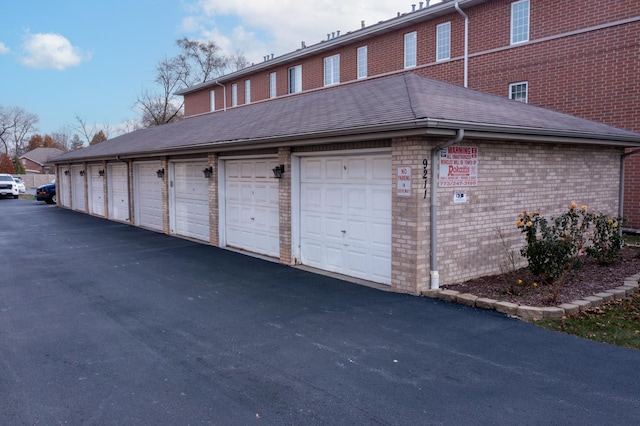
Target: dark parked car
point(47, 193)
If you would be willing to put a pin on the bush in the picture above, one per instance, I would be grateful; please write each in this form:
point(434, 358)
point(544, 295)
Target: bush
point(554, 247)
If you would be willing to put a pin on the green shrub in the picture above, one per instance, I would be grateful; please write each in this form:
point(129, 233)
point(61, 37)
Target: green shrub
point(554, 247)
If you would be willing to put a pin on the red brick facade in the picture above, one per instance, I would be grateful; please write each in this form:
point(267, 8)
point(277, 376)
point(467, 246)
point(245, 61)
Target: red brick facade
point(581, 59)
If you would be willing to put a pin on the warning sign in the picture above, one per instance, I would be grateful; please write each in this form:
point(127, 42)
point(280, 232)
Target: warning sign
point(404, 181)
point(459, 166)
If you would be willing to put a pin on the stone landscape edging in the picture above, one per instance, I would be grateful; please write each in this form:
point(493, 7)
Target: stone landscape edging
point(534, 313)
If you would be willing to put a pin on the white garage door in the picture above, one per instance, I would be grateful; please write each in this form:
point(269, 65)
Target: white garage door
point(96, 190)
point(77, 188)
point(63, 187)
point(345, 215)
point(118, 189)
point(190, 200)
point(251, 206)
point(148, 189)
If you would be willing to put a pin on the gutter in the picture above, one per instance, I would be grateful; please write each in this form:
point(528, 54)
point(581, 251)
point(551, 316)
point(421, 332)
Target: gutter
point(623, 157)
point(466, 44)
point(224, 94)
point(435, 276)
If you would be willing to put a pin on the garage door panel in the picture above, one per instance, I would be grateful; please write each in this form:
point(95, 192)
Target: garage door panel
point(118, 190)
point(251, 196)
point(148, 189)
point(347, 194)
point(333, 197)
point(380, 170)
point(356, 199)
point(334, 258)
point(78, 188)
point(96, 185)
point(356, 169)
point(190, 200)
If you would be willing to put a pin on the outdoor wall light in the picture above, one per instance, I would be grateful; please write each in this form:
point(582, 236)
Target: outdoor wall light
point(81, 172)
point(278, 171)
point(208, 172)
point(66, 172)
point(101, 173)
point(160, 173)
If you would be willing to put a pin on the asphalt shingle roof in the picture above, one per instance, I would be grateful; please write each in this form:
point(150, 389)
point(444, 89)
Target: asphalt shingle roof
point(42, 155)
point(401, 100)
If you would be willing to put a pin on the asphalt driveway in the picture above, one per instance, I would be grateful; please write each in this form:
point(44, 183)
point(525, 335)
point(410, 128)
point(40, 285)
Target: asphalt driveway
point(104, 323)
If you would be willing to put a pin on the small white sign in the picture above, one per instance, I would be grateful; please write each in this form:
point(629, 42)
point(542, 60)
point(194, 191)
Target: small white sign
point(404, 181)
point(460, 197)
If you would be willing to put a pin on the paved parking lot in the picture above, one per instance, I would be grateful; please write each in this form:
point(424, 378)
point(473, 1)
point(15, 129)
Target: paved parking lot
point(103, 323)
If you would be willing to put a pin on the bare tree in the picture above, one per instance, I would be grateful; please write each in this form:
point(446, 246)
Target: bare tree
point(162, 107)
point(197, 62)
point(15, 126)
point(88, 132)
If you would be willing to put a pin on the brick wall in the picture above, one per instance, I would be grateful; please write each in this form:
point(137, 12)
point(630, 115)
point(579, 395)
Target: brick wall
point(410, 227)
point(284, 199)
point(512, 178)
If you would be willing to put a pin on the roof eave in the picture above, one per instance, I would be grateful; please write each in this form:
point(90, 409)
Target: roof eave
point(533, 134)
point(420, 127)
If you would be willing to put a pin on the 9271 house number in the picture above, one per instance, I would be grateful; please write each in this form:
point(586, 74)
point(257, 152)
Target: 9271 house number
point(425, 163)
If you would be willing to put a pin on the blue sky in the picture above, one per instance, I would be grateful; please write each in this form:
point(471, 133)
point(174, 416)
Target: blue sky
point(63, 58)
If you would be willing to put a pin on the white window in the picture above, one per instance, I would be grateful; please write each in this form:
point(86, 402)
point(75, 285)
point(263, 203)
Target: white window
point(518, 91)
point(234, 95)
point(295, 79)
point(332, 70)
point(443, 41)
point(247, 91)
point(362, 62)
point(519, 21)
point(272, 85)
point(212, 100)
point(410, 50)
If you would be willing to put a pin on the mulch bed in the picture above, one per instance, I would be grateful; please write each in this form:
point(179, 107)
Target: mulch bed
point(588, 279)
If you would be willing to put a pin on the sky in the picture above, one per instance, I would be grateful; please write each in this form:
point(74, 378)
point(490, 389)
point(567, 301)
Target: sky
point(91, 59)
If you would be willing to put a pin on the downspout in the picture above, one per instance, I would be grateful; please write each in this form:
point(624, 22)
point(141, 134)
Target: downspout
point(623, 157)
point(466, 45)
point(224, 95)
point(435, 277)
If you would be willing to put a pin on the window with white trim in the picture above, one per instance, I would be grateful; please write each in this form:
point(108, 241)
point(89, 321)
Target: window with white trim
point(332, 70)
point(234, 95)
point(247, 91)
point(212, 100)
point(295, 79)
point(519, 21)
point(362, 61)
point(410, 46)
point(272, 85)
point(443, 41)
point(519, 91)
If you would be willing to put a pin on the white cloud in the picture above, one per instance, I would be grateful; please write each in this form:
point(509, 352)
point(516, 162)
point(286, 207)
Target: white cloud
point(280, 26)
point(51, 51)
point(4, 49)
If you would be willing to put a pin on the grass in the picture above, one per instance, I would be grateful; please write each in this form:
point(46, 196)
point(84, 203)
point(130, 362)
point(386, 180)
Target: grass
point(616, 323)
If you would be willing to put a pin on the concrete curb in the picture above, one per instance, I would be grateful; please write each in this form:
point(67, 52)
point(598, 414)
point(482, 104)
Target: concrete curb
point(534, 313)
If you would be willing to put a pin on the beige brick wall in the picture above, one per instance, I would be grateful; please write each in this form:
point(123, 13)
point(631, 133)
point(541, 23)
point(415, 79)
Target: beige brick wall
point(214, 217)
point(410, 218)
point(284, 195)
point(511, 178)
point(164, 164)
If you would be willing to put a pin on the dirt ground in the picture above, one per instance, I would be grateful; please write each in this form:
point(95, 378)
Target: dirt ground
point(586, 280)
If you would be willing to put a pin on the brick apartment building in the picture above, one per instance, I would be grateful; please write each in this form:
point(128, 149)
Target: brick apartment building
point(580, 58)
point(345, 156)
